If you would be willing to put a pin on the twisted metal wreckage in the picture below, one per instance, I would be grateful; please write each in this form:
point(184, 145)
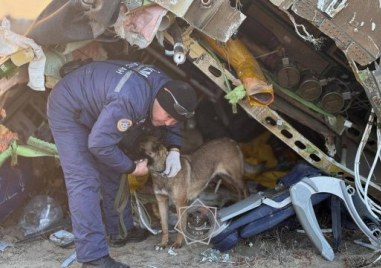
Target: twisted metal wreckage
point(331, 91)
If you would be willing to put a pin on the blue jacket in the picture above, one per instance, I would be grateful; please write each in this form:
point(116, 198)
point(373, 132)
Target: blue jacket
point(104, 94)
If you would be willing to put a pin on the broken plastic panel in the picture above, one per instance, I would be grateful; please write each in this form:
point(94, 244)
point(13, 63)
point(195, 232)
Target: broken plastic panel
point(40, 213)
point(301, 194)
point(62, 238)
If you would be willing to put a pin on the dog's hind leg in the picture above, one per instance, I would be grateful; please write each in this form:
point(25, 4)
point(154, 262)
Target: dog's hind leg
point(235, 183)
point(162, 201)
point(241, 190)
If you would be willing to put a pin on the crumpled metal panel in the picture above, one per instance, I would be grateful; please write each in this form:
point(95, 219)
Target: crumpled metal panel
point(215, 18)
point(220, 21)
point(355, 26)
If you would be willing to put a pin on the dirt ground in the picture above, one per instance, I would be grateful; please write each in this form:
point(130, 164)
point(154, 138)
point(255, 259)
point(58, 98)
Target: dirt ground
point(280, 247)
point(275, 248)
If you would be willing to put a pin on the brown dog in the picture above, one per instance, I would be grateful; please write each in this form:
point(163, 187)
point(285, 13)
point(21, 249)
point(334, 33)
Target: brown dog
point(221, 156)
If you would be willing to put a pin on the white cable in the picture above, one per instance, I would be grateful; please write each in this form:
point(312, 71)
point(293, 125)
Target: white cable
point(369, 203)
point(358, 156)
point(305, 35)
point(144, 216)
point(377, 260)
point(372, 207)
point(376, 206)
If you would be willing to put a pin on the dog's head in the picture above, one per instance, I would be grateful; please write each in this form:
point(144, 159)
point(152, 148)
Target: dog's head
point(156, 153)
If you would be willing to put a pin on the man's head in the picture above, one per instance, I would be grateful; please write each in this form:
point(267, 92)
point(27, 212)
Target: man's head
point(176, 101)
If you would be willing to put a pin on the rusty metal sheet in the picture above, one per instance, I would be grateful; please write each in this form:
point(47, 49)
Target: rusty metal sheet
point(357, 23)
point(219, 20)
point(215, 18)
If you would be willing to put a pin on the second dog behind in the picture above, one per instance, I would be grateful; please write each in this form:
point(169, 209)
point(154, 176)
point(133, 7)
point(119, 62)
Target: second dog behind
point(218, 157)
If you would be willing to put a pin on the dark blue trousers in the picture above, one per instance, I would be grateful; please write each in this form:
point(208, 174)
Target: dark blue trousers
point(86, 181)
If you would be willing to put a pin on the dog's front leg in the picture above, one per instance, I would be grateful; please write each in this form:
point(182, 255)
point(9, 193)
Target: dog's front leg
point(182, 218)
point(162, 201)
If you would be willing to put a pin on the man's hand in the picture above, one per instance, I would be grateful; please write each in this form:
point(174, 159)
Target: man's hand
point(172, 163)
point(141, 168)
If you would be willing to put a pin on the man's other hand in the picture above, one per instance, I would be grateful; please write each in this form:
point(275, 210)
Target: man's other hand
point(172, 163)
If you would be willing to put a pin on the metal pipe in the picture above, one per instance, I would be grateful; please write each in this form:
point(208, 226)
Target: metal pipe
point(178, 47)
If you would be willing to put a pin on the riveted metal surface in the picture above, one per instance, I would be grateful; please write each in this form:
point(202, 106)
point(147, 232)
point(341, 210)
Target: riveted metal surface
point(354, 51)
point(341, 39)
point(304, 9)
point(359, 22)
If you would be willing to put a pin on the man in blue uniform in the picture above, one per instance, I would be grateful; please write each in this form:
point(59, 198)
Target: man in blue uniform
point(90, 110)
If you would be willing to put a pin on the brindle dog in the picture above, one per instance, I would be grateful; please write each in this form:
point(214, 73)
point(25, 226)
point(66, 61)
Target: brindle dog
point(218, 157)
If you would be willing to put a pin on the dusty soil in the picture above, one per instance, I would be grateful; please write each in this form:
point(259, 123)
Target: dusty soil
point(275, 248)
point(280, 247)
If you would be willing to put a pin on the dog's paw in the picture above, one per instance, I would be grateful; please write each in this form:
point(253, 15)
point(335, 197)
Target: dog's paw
point(176, 245)
point(160, 247)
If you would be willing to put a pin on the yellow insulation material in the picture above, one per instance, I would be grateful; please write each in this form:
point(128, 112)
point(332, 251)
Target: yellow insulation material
point(259, 151)
point(259, 92)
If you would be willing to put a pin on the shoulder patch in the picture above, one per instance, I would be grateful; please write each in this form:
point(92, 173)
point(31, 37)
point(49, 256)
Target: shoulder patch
point(123, 124)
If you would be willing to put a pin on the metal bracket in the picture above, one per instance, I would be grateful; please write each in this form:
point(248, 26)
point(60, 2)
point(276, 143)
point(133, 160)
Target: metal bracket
point(301, 194)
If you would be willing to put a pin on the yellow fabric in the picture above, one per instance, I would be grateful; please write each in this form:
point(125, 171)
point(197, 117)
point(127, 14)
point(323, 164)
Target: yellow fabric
point(136, 182)
point(267, 179)
point(247, 68)
point(258, 151)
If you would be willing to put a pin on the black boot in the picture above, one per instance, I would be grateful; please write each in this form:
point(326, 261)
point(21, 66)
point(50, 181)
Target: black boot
point(133, 235)
point(105, 262)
